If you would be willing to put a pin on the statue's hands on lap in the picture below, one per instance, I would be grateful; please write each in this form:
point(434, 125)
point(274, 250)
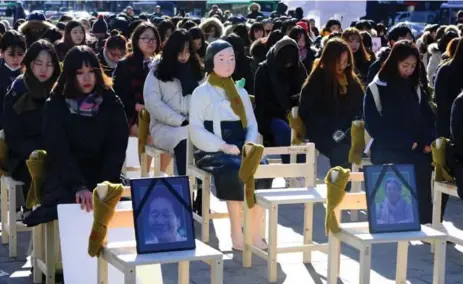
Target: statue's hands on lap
point(230, 149)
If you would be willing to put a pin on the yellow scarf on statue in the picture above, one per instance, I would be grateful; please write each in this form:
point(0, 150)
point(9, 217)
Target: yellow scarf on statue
point(36, 166)
point(342, 82)
point(250, 160)
point(439, 161)
point(297, 125)
point(334, 196)
point(233, 96)
point(357, 146)
point(103, 211)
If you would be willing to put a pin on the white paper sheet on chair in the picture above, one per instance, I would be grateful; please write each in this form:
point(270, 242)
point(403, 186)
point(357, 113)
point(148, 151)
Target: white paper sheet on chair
point(78, 267)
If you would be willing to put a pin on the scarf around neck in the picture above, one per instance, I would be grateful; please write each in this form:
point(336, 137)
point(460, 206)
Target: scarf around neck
point(35, 95)
point(111, 64)
point(343, 83)
point(87, 106)
point(185, 75)
point(233, 96)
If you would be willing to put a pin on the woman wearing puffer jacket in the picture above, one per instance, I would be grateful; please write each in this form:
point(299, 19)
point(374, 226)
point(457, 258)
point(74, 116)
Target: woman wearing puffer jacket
point(167, 94)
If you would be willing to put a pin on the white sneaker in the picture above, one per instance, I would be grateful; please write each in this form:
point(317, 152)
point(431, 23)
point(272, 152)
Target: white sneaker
point(298, 182)
point(163, 174)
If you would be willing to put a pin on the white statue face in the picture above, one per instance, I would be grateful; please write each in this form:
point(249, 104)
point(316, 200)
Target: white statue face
point(224, 62)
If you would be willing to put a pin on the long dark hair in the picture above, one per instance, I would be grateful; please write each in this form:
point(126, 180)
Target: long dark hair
point(163, 27)
point(197, 33)
point(136, 37)
point(242, 32)
point(67, 33)
point(166, 70)
point(34, 50)
point(327, 65)
point(400, 51)
point(297, 32)
point(361, 54)
point(77, 57)
point(256, 27)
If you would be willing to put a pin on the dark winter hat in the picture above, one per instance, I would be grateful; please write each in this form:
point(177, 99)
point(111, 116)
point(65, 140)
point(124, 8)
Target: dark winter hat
point(100, 26)
point(36, 17)
point(214, 48)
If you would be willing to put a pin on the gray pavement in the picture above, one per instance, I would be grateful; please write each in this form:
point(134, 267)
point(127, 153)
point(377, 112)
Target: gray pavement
point(290, 267)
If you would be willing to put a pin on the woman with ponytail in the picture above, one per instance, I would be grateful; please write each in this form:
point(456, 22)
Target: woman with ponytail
point(114, 50)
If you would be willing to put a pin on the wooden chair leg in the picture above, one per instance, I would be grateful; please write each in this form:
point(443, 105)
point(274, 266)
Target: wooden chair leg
point(439, 262)
point(365, 264)
point(4, 211)
point(144, 165)
point(157, 165)
point(247, 220)
point(37, 252)
point(402, 258)
point(308, 225)
point(263, 225)
point(217, 272)
point(102, 271)
point(50, 253)
point(206, 203)
point(12, 237)
point(272, 244)
point(334, 252)
point(436, 212)
point(130, 276)
point(184, 272)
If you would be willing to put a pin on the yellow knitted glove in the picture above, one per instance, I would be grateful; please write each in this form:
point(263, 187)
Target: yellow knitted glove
point(36, 166)
point(249, 163)
point(103, 211)
point(357, 133)
point(335, 194)
point(143, 130)
point(298, 127)
point(439, 161)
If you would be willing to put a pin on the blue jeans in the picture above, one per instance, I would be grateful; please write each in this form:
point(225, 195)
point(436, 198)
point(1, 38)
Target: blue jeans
point(282, 137)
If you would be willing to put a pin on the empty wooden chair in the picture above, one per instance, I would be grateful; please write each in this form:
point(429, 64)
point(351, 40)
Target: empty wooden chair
point(270, 200)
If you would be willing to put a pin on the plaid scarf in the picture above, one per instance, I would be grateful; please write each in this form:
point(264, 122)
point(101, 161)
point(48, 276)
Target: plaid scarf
point(87, 106)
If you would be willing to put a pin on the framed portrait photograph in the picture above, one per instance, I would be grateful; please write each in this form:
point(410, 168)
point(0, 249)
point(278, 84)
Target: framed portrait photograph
point(162, 214)
point(391, 198)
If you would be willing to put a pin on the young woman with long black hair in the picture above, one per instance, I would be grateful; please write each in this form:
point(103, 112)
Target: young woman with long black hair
point(362, 59)
point(167, 94)
point(400, 120)
point(74, 34)
point(85, 134)
point(331, 99)
point(23, 108)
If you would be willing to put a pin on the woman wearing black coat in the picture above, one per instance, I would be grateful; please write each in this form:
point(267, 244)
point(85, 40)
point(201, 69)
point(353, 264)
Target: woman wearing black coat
point(456, 126)
point(331, 99)
point(114, 49)
point(448, 86)
point(23, 108)
point(130, 73)
point(85, 134)
point(400, 120)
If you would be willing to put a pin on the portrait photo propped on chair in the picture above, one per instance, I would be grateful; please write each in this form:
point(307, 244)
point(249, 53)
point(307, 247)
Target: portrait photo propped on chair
point(162, 214)
point(391, 198)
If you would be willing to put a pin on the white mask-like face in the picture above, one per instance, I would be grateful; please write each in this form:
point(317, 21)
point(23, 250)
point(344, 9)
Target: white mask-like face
point(224, 63)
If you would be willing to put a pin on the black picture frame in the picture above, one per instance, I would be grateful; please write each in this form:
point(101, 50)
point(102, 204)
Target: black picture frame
point(391, 196)
point(163, 218)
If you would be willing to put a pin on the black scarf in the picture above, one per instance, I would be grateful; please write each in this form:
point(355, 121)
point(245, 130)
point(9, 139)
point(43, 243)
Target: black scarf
point(35, 95)
point(188, 80)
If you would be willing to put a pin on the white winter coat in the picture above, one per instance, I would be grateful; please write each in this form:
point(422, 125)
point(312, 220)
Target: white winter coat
point(209, 103)
point(168, 108)
point(433, 63)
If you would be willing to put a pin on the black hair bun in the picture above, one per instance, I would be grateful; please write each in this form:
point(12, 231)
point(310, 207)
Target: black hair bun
point(115, 33)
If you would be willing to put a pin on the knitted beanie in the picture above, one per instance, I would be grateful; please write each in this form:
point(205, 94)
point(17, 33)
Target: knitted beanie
point(212, 49)
point(100, 26)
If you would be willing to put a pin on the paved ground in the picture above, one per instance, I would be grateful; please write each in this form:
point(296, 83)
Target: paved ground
point(290, 267)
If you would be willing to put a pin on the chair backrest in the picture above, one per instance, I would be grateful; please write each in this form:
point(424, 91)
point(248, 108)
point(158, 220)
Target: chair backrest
point(122, 218)
point(307, 170)
point(190, 159)
point(351, 201)
point(295, 114)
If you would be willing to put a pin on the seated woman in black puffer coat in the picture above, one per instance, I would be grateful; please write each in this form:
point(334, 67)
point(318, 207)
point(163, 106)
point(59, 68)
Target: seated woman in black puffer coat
point(23, 109)
point(85, 134)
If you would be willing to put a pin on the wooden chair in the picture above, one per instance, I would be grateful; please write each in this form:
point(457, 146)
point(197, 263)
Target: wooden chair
point(194, 173)
point(358, 236)
point(46, 255)
point(270, 199)
point(10, 227)
point(357, 186)
point(124, 257)
point(440, 188)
